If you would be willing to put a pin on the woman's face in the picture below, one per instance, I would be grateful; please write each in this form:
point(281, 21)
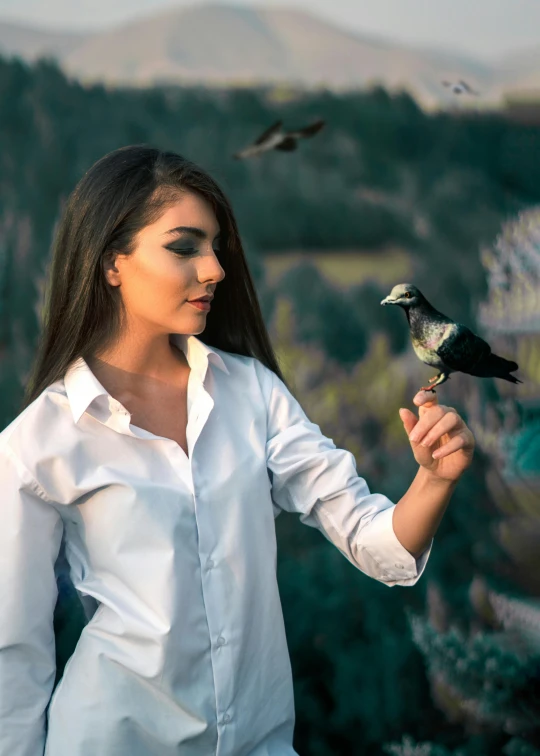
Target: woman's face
point(169, 267)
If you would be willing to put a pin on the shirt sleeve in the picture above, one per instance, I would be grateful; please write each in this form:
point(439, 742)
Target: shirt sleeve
point(30, 538)
point(313, 478)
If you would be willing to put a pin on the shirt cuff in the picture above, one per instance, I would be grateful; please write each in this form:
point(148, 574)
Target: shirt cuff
point(397, 565)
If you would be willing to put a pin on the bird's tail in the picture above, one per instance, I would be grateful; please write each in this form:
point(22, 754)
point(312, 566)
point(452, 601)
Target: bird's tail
point(494, 366)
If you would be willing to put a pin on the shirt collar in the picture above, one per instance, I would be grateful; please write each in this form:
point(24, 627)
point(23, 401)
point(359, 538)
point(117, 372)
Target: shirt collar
point(82, 386)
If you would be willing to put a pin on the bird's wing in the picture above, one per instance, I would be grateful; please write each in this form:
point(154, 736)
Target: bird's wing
point(287, 145)
point(269, 132)
point(250, 151)
point(307, 131)
point(462, 350)
point(469, 89)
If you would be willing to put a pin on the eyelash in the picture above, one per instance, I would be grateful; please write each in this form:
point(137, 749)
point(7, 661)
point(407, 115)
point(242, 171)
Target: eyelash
point(187, 252)
point(183, 252)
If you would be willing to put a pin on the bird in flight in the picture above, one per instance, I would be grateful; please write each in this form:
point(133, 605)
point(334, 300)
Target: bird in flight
point(460, 87)
point(448, 346)
point(275, 138)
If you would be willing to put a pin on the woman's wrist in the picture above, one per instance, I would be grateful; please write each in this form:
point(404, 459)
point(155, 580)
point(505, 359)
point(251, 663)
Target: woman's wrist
point(436, 480)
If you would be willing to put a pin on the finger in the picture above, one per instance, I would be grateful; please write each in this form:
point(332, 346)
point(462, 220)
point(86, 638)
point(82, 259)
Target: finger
point(450, 421)
point(426, 422)
point(424, 400)
point(408, 418)
point(457, 442)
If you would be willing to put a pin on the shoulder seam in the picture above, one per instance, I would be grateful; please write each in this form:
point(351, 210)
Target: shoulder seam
point(30, 478)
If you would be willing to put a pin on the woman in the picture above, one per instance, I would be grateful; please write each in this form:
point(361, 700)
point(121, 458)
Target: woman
point(162, 460)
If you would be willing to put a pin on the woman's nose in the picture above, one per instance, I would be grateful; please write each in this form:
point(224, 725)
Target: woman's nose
point(211, 268)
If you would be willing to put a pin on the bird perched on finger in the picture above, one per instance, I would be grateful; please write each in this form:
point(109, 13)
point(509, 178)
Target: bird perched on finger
point(275, 138)
point(444, 344)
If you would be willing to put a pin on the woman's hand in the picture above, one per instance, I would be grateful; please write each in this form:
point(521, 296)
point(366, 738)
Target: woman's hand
point(450, 442)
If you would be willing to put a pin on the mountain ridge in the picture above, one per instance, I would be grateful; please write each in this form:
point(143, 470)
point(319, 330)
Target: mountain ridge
point(265, 45)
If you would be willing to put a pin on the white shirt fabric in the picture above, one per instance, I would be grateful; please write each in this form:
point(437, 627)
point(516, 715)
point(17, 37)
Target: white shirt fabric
point(186, 653)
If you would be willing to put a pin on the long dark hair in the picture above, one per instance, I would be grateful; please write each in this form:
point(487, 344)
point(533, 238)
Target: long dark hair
point(120, 194)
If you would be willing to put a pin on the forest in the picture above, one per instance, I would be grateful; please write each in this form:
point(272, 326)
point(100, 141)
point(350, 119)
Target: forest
point(447, 201)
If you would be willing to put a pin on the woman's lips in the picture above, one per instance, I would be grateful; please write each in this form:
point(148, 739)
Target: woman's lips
point(200, 304)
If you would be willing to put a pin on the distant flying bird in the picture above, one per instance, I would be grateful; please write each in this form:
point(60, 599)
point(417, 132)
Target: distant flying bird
point(460, 87)
point(443, 344)
point(275, 138)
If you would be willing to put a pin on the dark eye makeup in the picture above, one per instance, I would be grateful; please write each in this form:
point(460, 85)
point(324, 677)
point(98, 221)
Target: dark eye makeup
point(187, 246)
point(186, 251)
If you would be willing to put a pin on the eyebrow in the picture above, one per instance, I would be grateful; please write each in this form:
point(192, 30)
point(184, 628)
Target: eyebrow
point(189, 229)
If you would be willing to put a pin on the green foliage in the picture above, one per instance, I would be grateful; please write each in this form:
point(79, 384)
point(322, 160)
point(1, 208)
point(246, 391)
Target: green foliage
point(409, 748)
point(520, 747)
point(494, 676)
point(324, 315)
point(475, 747)
point(522, 451)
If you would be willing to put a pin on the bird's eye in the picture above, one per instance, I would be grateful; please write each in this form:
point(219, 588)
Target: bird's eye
point(407, 294)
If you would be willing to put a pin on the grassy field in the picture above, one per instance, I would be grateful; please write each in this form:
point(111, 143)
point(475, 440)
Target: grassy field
point(344, 268)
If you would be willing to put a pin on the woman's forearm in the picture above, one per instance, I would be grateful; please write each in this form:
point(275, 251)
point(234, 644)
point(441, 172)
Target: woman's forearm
point(418, 513)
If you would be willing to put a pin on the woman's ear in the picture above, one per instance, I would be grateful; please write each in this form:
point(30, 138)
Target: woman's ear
point(108, 264)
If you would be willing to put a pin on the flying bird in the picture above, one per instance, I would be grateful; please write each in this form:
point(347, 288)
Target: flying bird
point(275, 138)
point(444, 344)
point(460, 87)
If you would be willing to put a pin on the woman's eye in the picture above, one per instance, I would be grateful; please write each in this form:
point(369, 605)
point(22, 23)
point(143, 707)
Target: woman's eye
point(183, 251)
point(188, 251)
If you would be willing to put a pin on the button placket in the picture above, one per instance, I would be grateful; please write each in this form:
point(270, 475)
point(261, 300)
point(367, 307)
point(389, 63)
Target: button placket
point(202, 406)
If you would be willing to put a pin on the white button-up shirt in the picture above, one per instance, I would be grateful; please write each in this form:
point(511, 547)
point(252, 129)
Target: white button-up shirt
point(186, 652)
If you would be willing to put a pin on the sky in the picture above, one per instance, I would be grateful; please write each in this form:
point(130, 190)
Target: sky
point(485, 29)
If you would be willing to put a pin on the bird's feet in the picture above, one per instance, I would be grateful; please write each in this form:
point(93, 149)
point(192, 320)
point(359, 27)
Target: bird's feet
point(430, 388)
point(436, 381)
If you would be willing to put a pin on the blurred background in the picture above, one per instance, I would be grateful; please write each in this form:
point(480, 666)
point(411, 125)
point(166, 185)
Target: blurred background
point(411, 180)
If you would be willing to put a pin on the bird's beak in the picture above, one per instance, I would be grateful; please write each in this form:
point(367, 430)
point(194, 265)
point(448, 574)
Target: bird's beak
point(387, 301)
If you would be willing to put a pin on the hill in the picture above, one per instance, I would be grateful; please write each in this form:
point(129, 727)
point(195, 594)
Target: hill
point(233, 44)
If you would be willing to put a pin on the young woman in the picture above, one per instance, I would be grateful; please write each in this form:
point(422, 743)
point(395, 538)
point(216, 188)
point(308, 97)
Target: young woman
point(162, 458)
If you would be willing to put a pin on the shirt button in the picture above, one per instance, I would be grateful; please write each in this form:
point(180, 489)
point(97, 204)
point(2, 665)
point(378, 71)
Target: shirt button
point(210, 564)
point(221, 641)
point(226, 718)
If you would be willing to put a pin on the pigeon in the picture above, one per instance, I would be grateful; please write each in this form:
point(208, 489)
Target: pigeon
point(460, 87)
point(274, 138)
point(444, 344)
